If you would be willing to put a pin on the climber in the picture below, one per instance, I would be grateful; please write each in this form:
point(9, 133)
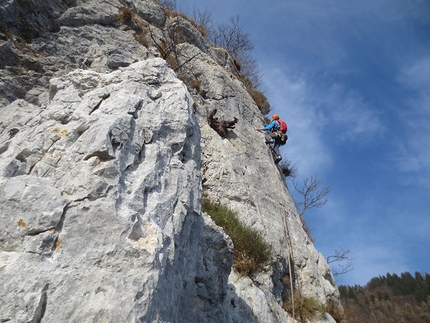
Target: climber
point(275, 135)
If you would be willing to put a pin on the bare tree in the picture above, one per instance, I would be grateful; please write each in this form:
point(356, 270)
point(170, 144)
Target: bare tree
point(316, 196)
point(204, 19)
point(341, 256)
point(313, 194)
point(238, 43)
point(232, 37)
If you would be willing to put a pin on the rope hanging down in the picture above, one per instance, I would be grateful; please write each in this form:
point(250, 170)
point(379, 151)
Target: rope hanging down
point(289, 249)
point(288, 242)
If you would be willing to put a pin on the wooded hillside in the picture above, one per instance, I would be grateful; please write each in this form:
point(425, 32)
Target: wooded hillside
point(389, 299)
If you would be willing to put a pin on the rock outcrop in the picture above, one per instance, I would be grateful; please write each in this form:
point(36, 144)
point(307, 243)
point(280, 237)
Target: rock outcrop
point(105, 152)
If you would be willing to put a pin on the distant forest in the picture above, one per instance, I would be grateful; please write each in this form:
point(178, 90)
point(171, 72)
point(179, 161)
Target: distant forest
point(388, 299)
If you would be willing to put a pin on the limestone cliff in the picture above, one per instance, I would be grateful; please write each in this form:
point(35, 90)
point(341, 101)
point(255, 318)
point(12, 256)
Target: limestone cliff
point(105, 152)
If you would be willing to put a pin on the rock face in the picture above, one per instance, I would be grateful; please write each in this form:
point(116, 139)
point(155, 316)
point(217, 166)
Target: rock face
point(105, 152)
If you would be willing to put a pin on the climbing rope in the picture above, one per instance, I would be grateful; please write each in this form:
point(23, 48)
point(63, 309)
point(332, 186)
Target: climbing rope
point(288, 242)
point(289, 250)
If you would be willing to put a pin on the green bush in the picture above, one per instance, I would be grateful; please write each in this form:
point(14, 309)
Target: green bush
point(251, 252)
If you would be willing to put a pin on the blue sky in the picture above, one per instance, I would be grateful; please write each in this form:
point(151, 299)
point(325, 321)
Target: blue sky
point(352, 80)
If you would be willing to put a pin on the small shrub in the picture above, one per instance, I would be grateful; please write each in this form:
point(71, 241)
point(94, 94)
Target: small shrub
point(141, 39)
point(287, 169)
point(174, 13)
point(246, 81)
point(172, 61)
point(335, 311)
point(196, 84)
point(124, 15)
point(305, 308)
point(251, 252)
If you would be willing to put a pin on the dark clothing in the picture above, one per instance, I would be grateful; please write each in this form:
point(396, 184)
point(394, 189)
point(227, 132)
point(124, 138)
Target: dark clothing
point(276, 142)
point(274, 137)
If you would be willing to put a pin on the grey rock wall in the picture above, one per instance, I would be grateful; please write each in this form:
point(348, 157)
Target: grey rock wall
point(100, 199)
point(103, 152)
point(239, 172)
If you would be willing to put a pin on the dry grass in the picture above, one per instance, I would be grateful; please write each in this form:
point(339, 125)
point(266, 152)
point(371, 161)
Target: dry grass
point(172, 61)
point(196, 84)
point(305, 308)
point(142, 39)
point(124, 15)
point(336, 311)
point(260, 100)
point(307, 229)
point(174, 14)
point(237, 64)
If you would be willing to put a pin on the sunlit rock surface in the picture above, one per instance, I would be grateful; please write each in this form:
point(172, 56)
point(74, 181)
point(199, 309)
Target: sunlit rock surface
point(105, 153)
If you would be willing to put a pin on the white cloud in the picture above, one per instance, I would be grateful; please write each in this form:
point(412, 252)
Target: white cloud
point(318, 117)
point(413, 153)
point(352, 118)
point(415, 76)
point(325, 64)
point(290, 96)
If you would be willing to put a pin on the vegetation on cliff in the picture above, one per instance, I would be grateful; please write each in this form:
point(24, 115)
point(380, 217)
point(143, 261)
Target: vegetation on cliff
point(251, 252)
point(232, 37)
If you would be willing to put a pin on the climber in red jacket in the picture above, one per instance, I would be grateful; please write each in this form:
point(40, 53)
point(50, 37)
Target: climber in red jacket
point(275, 135)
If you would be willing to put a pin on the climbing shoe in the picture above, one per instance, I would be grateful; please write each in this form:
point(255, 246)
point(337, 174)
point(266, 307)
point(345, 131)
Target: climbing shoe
point(278, 159)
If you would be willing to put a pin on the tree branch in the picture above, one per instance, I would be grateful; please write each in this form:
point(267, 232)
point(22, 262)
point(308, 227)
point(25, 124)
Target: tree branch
point(313, 195)
point(340, 256)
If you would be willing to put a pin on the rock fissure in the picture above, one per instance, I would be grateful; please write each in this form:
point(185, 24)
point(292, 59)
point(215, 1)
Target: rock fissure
point(41, 307)
point(60, 223)
point(104, 97)
point(37, 232)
